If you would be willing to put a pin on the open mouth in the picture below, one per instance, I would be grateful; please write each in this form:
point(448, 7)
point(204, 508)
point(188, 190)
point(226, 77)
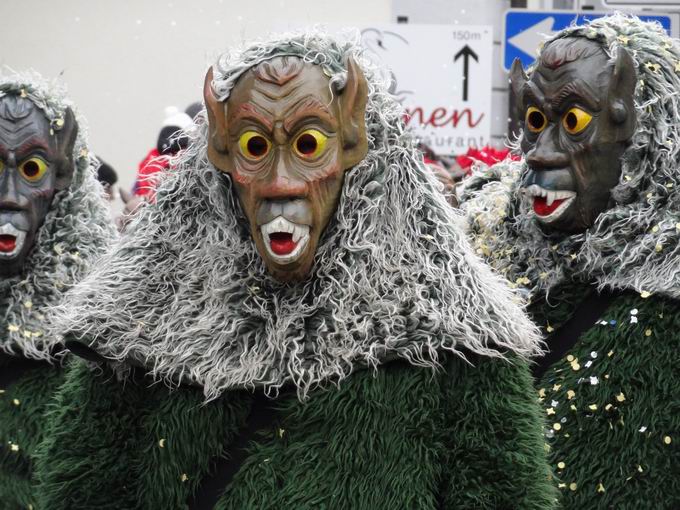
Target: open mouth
point(548, 204)
point(284, 240)
point(11, 240)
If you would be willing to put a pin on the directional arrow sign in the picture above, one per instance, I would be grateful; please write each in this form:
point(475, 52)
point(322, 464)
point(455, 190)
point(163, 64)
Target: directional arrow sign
point(529, 40)
point(526, 30)
point(466, 52)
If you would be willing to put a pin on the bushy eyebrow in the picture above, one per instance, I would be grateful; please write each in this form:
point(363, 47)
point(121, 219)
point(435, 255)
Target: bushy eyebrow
point(530, 95)
point(577, 90)
point(250, 111)
point(308, 107)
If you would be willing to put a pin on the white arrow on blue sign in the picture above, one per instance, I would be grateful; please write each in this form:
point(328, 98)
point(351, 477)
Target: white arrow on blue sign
point(526, 30)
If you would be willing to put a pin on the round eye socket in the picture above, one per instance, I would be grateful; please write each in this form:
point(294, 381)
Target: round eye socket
point(576, 120)
point(33, 169)
point(535, 120)
point(253, 145)
point(310, 143)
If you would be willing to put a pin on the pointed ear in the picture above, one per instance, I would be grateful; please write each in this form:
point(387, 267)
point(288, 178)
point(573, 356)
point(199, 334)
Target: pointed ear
point(66, 139)
point(518, 79)
point(353, 100)
point(217, 125)
point(621, 95)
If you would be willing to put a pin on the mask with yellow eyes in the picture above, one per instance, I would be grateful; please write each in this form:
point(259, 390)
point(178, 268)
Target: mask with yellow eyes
point(286, 139)
point(36, 161)
point(579, 117)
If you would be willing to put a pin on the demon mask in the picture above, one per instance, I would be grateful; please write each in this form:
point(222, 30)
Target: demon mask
point(36, 161)
point(579, 118)
point(286, 135)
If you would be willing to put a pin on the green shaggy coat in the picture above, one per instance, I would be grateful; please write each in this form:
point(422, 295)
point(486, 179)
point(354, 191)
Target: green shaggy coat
point(466, 437)
point(614, 399)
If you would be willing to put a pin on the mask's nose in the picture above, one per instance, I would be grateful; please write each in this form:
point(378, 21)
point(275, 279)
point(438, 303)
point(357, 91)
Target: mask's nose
point(547, 154)
point(281, 183)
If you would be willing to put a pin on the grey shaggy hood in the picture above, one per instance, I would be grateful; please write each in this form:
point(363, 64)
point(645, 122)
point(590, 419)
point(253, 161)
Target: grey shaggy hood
point(634, 245)
point(76, 230)
point(187, 296)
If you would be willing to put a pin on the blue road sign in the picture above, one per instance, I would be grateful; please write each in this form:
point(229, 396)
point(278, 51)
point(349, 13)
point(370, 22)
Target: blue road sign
point(525, 30)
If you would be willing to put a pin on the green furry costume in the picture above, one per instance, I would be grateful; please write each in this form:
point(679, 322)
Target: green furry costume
point(611, 399)
point(394, 376)
point(76, 230)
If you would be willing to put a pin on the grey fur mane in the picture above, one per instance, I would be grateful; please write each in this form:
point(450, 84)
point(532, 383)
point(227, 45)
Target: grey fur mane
point(187, 296)
point(635, 244)
point(76, 230)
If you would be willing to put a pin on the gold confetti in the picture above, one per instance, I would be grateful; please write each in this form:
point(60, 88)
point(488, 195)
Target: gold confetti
point(620, 397)
point(677, 67)
point(645, 294)
point(667, 440)
point(575, 366)
point(281, 432)
point(677, 226)
point(557, 426)
point(658, 248)
point(600, 487)
point(570, 358)
point(16, 402)
point(572, 407)
point(12, 328)
point(627, 177)
point(28, 304)
point(23, 93)
point(557, 387)
point(640, 469)
point(14, 447)
point(561, 465)
point(541, 393)
point(570, 394)
point(550, 411)
point(606, 376)
point(59, 122)
point(623, 39)
point(573, 486)
point(2, 392)
point(550, 329)
point(608, 407)
point(592, 407)
point(161, 443)
point(184, 477)
point(561, 485)
point(610, 353)
point(648, 332)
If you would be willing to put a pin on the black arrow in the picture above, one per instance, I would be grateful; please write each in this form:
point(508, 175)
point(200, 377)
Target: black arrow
point(466, 52)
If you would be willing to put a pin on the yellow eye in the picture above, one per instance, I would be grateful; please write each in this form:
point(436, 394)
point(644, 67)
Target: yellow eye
point(253, 145)
point(535, 120)
point(576, 120)
point(310, 143)
point(33, 169)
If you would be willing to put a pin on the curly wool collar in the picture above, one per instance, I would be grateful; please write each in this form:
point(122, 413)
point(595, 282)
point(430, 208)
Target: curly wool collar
point(636, 243)
point(76, 230)
point(187, 296)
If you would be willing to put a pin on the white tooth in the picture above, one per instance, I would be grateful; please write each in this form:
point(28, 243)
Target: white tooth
point(551, 197)
point(544, 193)
point(297, 233)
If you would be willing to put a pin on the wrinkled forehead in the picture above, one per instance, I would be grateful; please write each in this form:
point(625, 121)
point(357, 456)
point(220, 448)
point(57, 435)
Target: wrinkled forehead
point(573, 60)
point(22, 124)
point(276, 85)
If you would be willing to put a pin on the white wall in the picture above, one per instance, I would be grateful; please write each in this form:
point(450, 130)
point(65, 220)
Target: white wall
point(124, 61)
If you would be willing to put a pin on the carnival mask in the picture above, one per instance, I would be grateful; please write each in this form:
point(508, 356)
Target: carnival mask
point(579, 118)
point(286, 137)
point(35, 162)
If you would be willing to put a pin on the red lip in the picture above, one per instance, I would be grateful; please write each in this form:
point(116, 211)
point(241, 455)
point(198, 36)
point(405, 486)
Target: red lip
point(8, 243)
point(282, 243)
point(541, 207)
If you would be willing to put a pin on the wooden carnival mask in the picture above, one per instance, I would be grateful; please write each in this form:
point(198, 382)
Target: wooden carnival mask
point(36, 161)
point(286, 138)
point(579, 117)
